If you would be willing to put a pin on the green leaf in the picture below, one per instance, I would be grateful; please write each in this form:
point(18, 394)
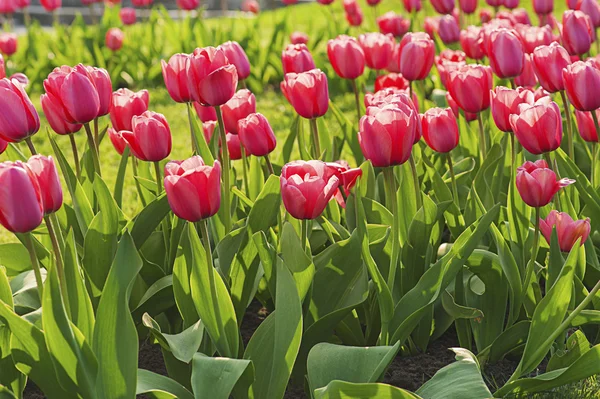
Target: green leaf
point(329, 362)
point(118, 191)
point(266, 207)
point(297, 261)
point(458, 311)
point(348, 390)
point(148, 220)
point(216, 378)
point(117, 353)
point(157, 299)
point(274, 346)
point(15, 258)
point(184, 345)
point(510, 339)
point(9, 375)
point(160, 387)
point(577, 346)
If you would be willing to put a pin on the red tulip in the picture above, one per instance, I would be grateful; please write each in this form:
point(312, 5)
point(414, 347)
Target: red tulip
point(537, 183)
point(142, 3)
point(521, 16)
point(307, 187)
point(412, 5)
point(445, 67)
point(55, 114)
point(251, 6)
point(431, 26)
point(237, 56)
point(256, 135)
point(582, 82)
point(548, 63)
point(298, 38)
point(114, 39)
point(127, 15)
point(395, 80)
point(567, 230)
point(307, 92)
point(448, 29)
point(8, 6)
point(351, 6)
point(242, 104)
point(233, 146)
point(212, 79)
point(535, 36)
point(373, 3)
point(394, 65)
point(538, 127)
point(188, 5)
point(18, 118)
point(440, 129)
point(468, 6)
point(586, 126)
point(417, 53)
point(506, 16)
point(44, 170)
point(296, 58)
point(325, 2)
point(572, 4)
point(577, 34)
point(485, 15)
point(346, 56)
point(393, 24)
point(117, 140)
point(511, 4)
point(101, 80)
point(150, 139)
point(355, 19)
point(390, 96)
point(506, 54)
point(443, 6)
point(387, 134)
point(208, 129)
point(469, 116)
point(540, 93)
point(3, 146)
point(470, 87)
point(494, 3)
point(193, 188)
point(175, 76)
point(289, 2)
point(543, 7)
point(24, 212)
point(527, 78)
point(505, 102)
point(378, 49)
point(125, 105)
point(8, 43)
point(51, 5)
point(206, 114)
point(471, 41)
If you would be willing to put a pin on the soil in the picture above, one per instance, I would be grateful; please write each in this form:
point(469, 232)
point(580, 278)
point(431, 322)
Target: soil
point(404, 372)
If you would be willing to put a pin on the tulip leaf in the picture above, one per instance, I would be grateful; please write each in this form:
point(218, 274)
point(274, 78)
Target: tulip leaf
point(347, 390)
point(113, 310)
point(118, 191)
point(577, 346)
point(157, 299)
point(15, 258)
point(255, 177)
point(229, 373)
point(9, 375)
point(184, 345)
point(297, 261)
point(6, 393)
point(182, 290)
point(160, 387)
point(349, 130)
point(510, 339)
point(149, 219)
point(458, 311)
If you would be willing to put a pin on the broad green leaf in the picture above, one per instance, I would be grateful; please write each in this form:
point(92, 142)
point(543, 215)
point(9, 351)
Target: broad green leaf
point(458, 311)
point(117, 349)
point(157, 299)
point(118, 190)
point(14, 257)
point(255, 177)
point(9, 375)
point(348, 390)
point(184, 345)
point(160, 387)
point(512, 338)
point(216, 377)
point(198, 137)
point(577, 346)
point(182, 290)
point(296, 260)
point(149, 219)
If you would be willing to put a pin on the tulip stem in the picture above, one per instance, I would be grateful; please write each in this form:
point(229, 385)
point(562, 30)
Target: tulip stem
point(226, 174)
point(75, 156)
point(93, 149)
point(244, 168)
point(529, 272)
point(413, 168)
point(513, 85)
point(595, 149)
point(482, 142)
point(243, 84)
point(137, 183)
point(34, 263)
point(304, 234)
point(356, 98)
point(191, 121)
point(31, 146)
point(567, 108)
point(314, 128)
point(269, 164)
point(392, 204)
point(97, 136)
point(453, 177)
point(159, 188)
point(59, 262)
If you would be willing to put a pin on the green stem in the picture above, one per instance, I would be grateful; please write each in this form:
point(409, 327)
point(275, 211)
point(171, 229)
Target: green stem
point(269, 164)
point(513, 152)
point(31, 146)
point(191, 121)
point(392, 204)
point(482, 141)
point(304, 234)
point(413, 168)
point(137, 183)
point(453, 177)
point(75, 156)
point(513, 85)
point(97, 136)
point(594, 149)
point(244, 168)
point(243, 84)
point(529, 272)
point(567, 108)
point(159, 187)
point(356, 99)
point(34, 263)
point(93, 148)
point(226, 173)
point(315, 135)
point(59, 262)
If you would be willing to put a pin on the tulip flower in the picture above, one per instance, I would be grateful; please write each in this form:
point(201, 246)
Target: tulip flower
point(188, 5)
point(587, 128)
point(8, 7)
point(346, 56)
point(505, 102)
point(521, 16)
point(417, 52)
point(256, 135)
point(378, 49)
point(44, 170)
point(535, 36)
point(117, 140)
point(506, 16)
point(511, 4)
point(469, 116)
point(412, 5)
point(355, 19)
point(527, 78)
point(543, 7)
point(351, 6)
point(237, 56)
point(443, 6)
point(572, 4)
point(3, 146)
point(448, 30)
point(325, 2)
point(471, 41)
point(393, 24)
point(24, 212)
point(150, 138)
point(8, 43)
point(114, 39)
point(298, 38)
point(127, 15)
point(234, 146)
point(55, 115)
point(445, 67)
point(440, 129)
point(142, 3)
point(251, 6)
point(395, 80)
point(208, 129)
point(506, 54)
point(307, 187)
point(537, 183)
point(175, 76)
point(2, 68)
point(101, 80)
point(193, 188)
point(18, 118)
point(568, 230)
point(212, 78)
point(390, 96)
point(467, 6)
point(125, 105)
point(548, 63)
point(206, 114)
point(470, 86)
point(297, 59)
point(538, 127)
point(51, 5)
point(582, 80)
point(485, 15)
point(591, 8)
point(431, 26)
point(577, 34)
point(242, 104)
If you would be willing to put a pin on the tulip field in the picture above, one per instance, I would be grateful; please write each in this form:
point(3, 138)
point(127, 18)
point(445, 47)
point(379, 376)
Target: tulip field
point(342, 199)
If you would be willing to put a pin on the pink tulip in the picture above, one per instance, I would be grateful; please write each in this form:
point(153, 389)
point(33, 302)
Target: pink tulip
point(393, 24)
point(538, 127)
point(543, 7)
point(256, 135)
point(469, 116)
point(307, 92)
point(117, 140)
point(582, 82)
point(242, 104)
point(127, 15)
point(8, 6)
point(534, 36)
point(395, 80)
point(125, 105)
point(150, 139)
point(3, 146)
point(586, 125)
point(505, 102)
point(233, 146)
point(548, 63)
point(440, 129)
point(417, 53)
point(470, 87)
point(378, 49)
point(592, 9)
point(448, 29)
point(206, 114)
point(471, 41)
point(346, 56)
point(237, 56)
point(568, 230)
point(537, 183)
point(175, 76)
point(297, 59)
point(412, 5)
point(577, 34)
point(114, 39)
point(485, 15)
point(55, 115)
point(468, 6)
point(298, 38)
point(8, 43)
point(527, 78)
point(443, 6)
point(24, 212)
point(2, 68)
point(212, 78)
point(506, 54)
point(44, 170)
point(51, 5)
point(18, 118)
point(521, 16)
point(431, 26)
point(355, 19)
point(188, 5)
point(251, 6)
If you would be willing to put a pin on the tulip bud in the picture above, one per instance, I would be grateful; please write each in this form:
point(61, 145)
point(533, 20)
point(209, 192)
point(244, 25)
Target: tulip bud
point(577, 35)
point(468, 6)
point(206, 114)
point(582, 82)
point(378, 49)
point(56, 117)
point(150, 139)
point(471, 41)
point(212, 79)
point(567, 230)
point(393, 24)
point(127, 15)
point(346, 56)
point(307, 92)
point(51, 5)
point(543, 7)
point(440, 129)
point(297, 59)
point(586, 125)
point(505, 102)
point(431, 26)
point(188, 5)
point(44, 170)
point(548, 63)
point(114, 39)
point(298, 38)
point(175, 76)
point(20, 213)
point(445, 67)
point(193, 188)
point(307, 187)
point(125, 105)
point(355, 19)
point(8, 6)
point(470, 87)
point(417, 53)
point(537, 183)
point(506, 54)
point(18, 118)
point(237, 56)
point(443, 6)
point(412, 5)
point(8, 43)
point(591, 8)
point(538, 127)
point(251, 6)
point(242, 104)
point(395, 80)
point(256, 135)
point(351, 6)
point(233, 146)
point(485, 15)
point(448, 29)
point(469, 116)
point(510, 4)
